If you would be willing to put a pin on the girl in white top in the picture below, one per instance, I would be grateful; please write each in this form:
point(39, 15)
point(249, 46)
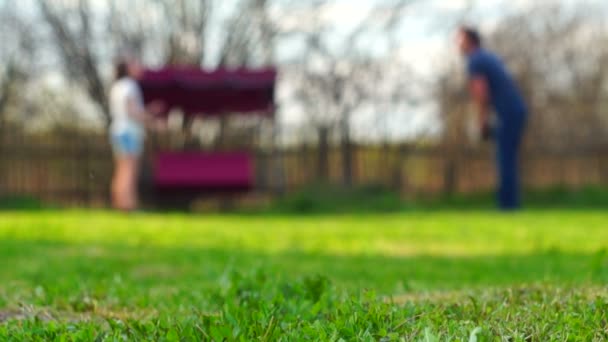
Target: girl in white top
point(127, 132)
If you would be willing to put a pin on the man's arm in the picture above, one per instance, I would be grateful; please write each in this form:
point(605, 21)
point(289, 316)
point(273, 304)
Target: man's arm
point(481, 99)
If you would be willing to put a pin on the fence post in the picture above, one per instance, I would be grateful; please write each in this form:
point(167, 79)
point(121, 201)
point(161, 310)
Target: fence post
point(277, 162)
point(323, 155)
point(451, 172)
point(398, 180)
point(87, 176)
point(2, 161)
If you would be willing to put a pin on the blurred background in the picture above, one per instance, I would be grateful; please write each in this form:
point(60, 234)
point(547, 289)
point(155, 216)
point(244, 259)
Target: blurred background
point(371, 96)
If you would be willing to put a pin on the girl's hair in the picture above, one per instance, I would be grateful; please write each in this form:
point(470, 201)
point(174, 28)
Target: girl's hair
point(121, 69)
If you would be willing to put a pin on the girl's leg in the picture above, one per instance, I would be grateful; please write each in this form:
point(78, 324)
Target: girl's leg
point(125, 180)
point(132, 181)
point(120, 184)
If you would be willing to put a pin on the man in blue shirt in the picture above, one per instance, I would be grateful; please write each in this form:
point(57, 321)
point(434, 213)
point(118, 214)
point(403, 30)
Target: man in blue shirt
point(493, 87)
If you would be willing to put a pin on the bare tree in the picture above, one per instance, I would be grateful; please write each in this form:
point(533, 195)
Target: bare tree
point(71, 24)
point(170, 32)
point(177, 30)
point(559, 58)
point(334, 82)
point(17, 54)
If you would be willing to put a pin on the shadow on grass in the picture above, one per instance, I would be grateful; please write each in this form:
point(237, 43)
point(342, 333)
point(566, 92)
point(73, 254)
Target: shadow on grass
point(328, 199)
point(321, 200)
point(21, 203)
point(554, 198)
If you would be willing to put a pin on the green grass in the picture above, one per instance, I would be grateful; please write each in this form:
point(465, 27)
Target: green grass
point(20, 203)
point(332, 199)
point(584, 198)
point(424, 276)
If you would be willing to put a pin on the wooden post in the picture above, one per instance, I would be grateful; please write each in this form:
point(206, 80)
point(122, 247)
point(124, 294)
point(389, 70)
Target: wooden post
point(323, 154)
point(277, 159)
point(451, 171)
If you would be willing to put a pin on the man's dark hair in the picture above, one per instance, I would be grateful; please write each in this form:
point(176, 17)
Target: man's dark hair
point(472, 35)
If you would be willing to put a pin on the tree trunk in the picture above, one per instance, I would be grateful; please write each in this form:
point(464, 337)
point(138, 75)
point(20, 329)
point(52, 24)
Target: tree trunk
point(278, 177)
point(347, 154)
point(220, 141)
point(190, 142)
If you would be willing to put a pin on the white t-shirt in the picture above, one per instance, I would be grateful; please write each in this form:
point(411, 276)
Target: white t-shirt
point(121, 92)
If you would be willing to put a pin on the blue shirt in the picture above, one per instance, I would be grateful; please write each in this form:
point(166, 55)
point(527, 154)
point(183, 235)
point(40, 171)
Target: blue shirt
point(504, 93)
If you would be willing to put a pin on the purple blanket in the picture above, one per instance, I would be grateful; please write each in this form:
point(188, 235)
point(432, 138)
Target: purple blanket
point(204, 171)
point(199, 92)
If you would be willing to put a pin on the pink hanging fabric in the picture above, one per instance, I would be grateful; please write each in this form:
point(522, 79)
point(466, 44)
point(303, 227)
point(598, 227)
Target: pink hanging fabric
point(219, 92)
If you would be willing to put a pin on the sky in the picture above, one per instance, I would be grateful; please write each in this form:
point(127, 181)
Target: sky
point(425, 42)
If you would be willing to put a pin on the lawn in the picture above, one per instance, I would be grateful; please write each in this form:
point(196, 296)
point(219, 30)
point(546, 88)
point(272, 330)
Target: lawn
point(427, 276)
